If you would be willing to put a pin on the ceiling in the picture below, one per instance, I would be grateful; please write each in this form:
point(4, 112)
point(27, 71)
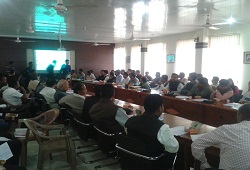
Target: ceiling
point(112, 21)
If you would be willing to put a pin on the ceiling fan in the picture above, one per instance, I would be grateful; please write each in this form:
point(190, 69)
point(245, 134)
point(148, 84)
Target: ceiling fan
point(208, 25)
point(59, 7)
point(17, 40)
point(96, 43)
point(132, 38)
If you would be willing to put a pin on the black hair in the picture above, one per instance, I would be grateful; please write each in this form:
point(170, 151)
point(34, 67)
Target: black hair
point(223, 82)
point(125, 73)
point(11, 62)
point(165, 77)
point(12, 83)
point(174, 74)
point(203, 80)
point(107, 91)
point(193, 76)
point(152, 102)
point(112, 74)
point(244, 110)
point(118, 71)
point(50, 82)
point(143, 79)
point(105, 71)
point(77, 87)
point(80, 69)
point(132, 74)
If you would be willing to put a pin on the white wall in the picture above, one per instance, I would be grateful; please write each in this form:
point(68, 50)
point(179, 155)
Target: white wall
point(171, 41)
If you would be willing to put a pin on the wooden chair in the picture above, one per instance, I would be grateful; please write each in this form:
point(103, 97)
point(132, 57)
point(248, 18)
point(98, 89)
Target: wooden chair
point(45, 118)
point(50, 144)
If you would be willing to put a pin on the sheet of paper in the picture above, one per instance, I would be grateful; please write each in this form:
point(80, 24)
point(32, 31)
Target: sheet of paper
point(4, 139)
point(5, 153)
point(20, 132)
point(194, 137)
point(177, 131)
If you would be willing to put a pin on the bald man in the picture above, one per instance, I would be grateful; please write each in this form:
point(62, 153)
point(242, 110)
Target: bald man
point(62, 87)
point(76, 100)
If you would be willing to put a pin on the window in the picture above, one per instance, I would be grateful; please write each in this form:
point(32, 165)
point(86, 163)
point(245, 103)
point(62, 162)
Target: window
point(135, 58)
point(155, 59)
point(185, 57)
point(223, 59)
point(119, 58)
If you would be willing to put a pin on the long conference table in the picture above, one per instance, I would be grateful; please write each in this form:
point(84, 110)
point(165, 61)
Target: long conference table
point(210, 114)
point(181, 113)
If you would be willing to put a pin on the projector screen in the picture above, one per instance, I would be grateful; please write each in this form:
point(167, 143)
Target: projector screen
point(43, 58)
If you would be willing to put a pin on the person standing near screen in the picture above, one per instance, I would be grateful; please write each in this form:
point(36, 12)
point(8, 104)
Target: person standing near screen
point(65, 69)
point(50, 70)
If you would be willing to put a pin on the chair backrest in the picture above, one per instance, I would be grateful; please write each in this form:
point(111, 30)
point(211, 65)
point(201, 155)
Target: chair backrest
point(48, 117)
point(134, 155)
point(32, 125)
point(236, 98)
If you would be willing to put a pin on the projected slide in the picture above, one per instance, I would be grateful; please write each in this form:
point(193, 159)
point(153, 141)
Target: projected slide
point(43, 58)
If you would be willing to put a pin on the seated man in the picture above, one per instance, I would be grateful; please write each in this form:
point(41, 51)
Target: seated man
point(233, 141)
point(48, 93)
point(12, 96)
point(144, 83)
point(148, 128)
point(192, 81)
point(164, 83)
point(125, 79)
point(88, 103)
point(174, 85)
point(61, 88)
point(106, 112)
point(119, 77)
point(76, 100)
point(215, 83)
point(202, 89)
point(223, 91)
point(246, 96)
point(134, 81)
point(182, 78)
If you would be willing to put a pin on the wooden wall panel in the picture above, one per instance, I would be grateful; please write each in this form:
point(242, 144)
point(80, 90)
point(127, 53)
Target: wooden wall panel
point(87, 56)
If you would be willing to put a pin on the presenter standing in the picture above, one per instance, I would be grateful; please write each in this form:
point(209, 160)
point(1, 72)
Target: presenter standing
point(50, 70)
point(65, 69)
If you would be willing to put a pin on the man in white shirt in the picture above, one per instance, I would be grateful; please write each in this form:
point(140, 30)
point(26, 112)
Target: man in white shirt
point(12, 96)
point(126, 78)
point(119, 77)
point(75, 100)
point(233, 141)
point(48, 92)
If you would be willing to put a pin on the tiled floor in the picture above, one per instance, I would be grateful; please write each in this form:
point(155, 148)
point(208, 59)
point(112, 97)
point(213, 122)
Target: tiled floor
point(59, 159)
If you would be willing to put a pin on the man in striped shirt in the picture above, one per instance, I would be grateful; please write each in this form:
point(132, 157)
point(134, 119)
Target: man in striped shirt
point(233, 141)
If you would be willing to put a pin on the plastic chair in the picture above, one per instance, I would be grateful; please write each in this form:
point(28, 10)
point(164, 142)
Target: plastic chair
point(50, 144)
point(133, 155)
point(45, 118)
